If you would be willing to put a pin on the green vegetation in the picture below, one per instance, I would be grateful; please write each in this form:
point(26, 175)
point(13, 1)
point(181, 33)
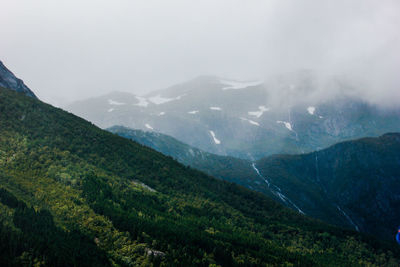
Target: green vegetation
point(227, 168)
point(74, 195)
point(355, 178)
point(361, 177)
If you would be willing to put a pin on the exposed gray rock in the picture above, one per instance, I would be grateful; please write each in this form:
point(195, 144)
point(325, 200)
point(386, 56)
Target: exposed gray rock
point(243, 119)
point(8, 80)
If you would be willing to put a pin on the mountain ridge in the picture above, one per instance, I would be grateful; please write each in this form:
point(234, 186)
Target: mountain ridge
point(355, 179)
point(223, 167)
point(244, 123)
point(306, 199)
point(10, 81)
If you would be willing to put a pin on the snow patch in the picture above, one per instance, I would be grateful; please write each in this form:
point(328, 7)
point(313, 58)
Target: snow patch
point(193, 112)
point(148, 126)
point(116, 103)
point(250, 121)
point(321, 117)
point(229, 84)
point(215, 138)
point(158, 99)
point(287, 124)
point(162, 113)
point(110, 110)
point(259, 113)
point(311, 110)
point(216, 108)
point(142, 101)
point(191, 152)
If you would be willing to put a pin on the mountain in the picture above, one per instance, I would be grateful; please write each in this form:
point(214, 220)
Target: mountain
point(249, 120)
point(231, 169)
point(292, 179)
point(73, 194)
point(354, 183)
point(8, 80)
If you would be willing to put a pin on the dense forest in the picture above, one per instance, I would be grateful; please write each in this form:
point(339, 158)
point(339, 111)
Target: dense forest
point(353, 182)
point(72, 194)
point(341, 185)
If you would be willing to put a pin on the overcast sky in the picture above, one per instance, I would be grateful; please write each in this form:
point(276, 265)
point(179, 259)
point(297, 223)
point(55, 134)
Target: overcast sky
point(68, 50)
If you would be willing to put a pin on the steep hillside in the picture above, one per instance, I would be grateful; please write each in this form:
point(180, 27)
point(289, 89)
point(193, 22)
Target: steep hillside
point(227, 168)
point(73, 194)
point(286, 178)
point(353, 183)
point(249, 120)
point(8, 80)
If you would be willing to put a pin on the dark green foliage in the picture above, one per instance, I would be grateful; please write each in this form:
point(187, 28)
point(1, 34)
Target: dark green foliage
point(364, 170)
point(40, 240)
point(361, 177)
point(93, 190)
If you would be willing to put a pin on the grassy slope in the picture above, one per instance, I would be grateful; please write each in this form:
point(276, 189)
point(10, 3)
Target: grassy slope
point(81, 189)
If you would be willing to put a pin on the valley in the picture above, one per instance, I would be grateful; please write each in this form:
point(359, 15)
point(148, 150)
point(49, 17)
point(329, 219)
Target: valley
point(72, 193)
point(199, 133)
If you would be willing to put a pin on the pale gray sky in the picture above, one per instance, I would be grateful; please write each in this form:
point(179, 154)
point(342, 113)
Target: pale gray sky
point(68, 50)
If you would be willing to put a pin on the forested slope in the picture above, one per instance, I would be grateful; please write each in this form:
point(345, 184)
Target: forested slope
point(73, 194)
point(353, 183)
point(227, 168)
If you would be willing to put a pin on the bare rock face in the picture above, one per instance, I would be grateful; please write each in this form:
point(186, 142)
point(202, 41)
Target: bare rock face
point(8, 80)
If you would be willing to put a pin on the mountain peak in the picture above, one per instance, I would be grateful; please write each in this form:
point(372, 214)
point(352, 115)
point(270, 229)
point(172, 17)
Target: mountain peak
point(10, 81)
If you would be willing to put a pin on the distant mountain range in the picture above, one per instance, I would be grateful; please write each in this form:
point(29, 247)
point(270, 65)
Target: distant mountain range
point(244, 119)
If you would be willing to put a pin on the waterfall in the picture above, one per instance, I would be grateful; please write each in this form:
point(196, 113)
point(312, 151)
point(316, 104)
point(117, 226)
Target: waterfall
point(276, 190)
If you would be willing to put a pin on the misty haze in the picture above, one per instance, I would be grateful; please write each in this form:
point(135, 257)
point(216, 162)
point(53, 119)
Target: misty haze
point(200, 133)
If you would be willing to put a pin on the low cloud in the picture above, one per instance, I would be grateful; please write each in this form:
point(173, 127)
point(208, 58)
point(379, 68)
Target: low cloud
point(72, 49)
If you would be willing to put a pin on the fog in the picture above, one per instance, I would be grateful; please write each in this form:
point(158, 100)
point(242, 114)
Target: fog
point(69, 50)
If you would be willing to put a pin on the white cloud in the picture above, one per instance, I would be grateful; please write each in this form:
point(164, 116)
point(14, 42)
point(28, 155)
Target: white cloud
point(66, 50)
